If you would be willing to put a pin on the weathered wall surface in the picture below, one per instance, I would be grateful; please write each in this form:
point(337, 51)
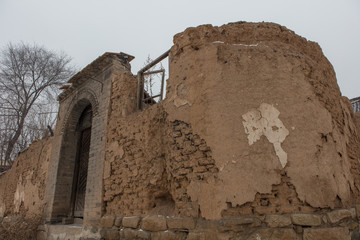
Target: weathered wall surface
point(22, 187)
point(22, 190)
point(253, 123)
point(150, 160)
point(267, 103)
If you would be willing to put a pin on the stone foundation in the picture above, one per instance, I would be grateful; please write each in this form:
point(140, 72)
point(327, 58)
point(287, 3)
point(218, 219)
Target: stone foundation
point(338, 224)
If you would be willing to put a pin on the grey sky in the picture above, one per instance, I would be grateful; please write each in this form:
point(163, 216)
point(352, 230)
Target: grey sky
point(85, 29)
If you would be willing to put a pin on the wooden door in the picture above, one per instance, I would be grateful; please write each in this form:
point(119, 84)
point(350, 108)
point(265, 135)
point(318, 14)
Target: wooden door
point(83, 160)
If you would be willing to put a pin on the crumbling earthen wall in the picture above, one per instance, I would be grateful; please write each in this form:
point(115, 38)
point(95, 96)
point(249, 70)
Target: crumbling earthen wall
point(22, 187)
point(22, 192)
point(253, 124)
point(150, 160)
point(267, 103)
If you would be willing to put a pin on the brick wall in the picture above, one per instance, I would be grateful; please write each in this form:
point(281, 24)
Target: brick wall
point(150, 162)
point(92, 86)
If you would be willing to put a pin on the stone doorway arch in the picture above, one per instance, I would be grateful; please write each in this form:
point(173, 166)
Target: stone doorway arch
point(72, 174)
point(90, 87)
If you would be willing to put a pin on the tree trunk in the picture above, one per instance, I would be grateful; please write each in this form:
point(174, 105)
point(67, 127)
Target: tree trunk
point(13, 141)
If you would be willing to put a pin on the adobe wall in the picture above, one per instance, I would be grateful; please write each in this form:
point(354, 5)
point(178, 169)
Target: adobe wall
point(149, 159)
point(267, 103)
point(253, 125)
point(22, 192)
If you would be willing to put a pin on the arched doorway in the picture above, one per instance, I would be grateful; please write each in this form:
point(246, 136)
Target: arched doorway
point(83, 130)
point(74, 157)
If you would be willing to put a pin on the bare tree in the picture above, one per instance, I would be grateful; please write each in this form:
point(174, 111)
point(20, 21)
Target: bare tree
point(29, 78)
point(151, 79)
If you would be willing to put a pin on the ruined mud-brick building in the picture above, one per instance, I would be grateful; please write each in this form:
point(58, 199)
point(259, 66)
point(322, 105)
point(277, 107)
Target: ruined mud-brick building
point(253, 141)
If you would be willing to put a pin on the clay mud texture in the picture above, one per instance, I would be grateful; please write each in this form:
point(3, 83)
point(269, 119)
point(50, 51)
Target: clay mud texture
point(150, 160)
point(22, 190)
point(218, 74)
point(253, 123)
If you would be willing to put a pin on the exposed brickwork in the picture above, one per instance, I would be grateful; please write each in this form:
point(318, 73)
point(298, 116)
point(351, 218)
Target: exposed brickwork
point(283, 199)
point(150, 164)
point(189, 159)
point(91, 87)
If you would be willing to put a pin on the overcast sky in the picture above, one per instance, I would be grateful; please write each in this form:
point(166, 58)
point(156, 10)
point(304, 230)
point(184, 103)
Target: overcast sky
point(85, 29)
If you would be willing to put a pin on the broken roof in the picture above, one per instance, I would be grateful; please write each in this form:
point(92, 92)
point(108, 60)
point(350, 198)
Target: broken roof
point(93, 69)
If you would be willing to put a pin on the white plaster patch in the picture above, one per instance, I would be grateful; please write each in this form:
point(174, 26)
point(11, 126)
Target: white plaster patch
point(180, 97)
point(265, 121)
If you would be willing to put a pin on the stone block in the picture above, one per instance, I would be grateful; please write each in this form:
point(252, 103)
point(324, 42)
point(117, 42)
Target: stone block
point(129, 234)
point(305, 219)
point(181, 223)
point(206, 224)
point(350, 225)
point(42, 228)
point(154, 223)
point(353, 212)
point(122, 233)
point(41, 236)
point(168, 235)
point(118, 221)
point(110, 234)
point(324, 219)
point(277, 220)
point(298, 229)
point(201, 236)
point(326, 233)
point(131, 222)
point(238, 223)
point(355, 234)
point(357, 209)
point(338, 215)
point(273, 234)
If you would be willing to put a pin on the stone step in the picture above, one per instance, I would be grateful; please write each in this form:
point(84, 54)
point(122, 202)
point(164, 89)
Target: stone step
point(61, 232)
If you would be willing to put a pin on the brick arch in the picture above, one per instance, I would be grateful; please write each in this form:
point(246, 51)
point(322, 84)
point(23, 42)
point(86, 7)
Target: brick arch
point(64, 187)
point(78, 103)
